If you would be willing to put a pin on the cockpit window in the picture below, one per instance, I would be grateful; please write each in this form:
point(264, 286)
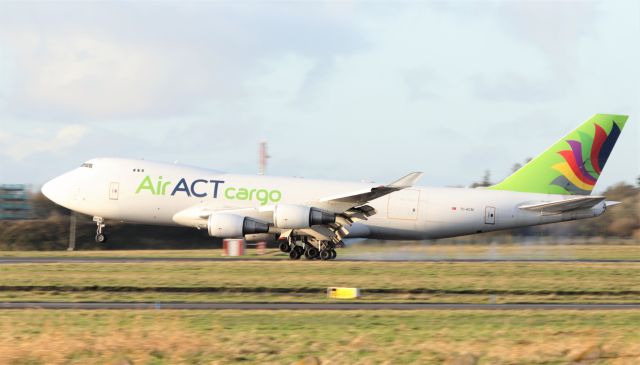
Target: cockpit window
point(87, 165)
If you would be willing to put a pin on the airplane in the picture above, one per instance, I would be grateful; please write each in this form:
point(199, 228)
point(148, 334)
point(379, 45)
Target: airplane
point(312, 217)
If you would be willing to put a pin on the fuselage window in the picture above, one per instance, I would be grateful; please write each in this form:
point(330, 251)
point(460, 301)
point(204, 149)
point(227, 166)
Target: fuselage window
point(87, 165)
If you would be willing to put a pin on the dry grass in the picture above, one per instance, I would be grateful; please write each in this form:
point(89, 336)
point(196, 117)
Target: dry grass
point(525, 277)
point(629, 251)
point(307, 281)
point(266, 337)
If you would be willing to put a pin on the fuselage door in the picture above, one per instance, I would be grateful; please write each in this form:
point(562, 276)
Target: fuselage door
point(403, 204)
point(489, 215)
point(114, 190)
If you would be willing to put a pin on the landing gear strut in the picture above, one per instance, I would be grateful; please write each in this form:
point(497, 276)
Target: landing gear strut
point(100, 237)
point(323, 250)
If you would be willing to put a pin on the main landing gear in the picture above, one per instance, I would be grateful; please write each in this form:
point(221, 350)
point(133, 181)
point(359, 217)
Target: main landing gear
point(100, 236)
point(296, 249)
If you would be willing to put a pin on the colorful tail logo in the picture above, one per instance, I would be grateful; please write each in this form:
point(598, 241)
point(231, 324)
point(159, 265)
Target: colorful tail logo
point(582, 166)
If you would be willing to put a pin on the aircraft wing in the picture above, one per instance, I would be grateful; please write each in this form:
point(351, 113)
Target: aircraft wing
point(366, 195)
point(565, 205)
point(352, 207)
point(349, 208)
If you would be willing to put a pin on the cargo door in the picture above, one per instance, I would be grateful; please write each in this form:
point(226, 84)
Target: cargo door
point(403, 204)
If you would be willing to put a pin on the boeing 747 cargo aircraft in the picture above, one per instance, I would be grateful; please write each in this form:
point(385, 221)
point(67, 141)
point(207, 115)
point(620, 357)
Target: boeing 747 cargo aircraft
point(312, 217)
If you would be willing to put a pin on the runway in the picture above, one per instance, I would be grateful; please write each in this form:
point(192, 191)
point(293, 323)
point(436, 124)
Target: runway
point(310, 306)
point(114, 260)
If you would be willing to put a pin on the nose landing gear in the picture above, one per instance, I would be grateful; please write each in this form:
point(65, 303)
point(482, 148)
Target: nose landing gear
point(100, 236)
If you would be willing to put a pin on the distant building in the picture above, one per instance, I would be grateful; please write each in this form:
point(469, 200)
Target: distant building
point(14, 201)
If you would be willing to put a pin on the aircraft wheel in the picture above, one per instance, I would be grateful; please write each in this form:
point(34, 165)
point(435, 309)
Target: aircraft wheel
point(325, 255)
point(311, 252)
point(101, 238)
point(285, 247)
point(294, 254)
point(334, 254)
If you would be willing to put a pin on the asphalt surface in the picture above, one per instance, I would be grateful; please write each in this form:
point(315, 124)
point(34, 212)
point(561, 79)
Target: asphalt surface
point(310, 306)
point(56, 260)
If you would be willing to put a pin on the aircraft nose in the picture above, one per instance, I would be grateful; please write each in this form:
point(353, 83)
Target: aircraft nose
point(56, 190)
point(48, 189)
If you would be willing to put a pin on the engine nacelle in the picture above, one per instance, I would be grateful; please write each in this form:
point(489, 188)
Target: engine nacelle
point(226, 225)
point(300, 216)
point(258, 237)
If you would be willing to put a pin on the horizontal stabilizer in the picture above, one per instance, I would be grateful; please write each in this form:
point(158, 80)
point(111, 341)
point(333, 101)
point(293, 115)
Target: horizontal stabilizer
point(565, 205)
point(610, 203)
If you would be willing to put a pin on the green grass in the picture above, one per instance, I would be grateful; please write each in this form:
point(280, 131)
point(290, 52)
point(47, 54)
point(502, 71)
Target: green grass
point(354, 337)
point(334, 337)
point(319, 297)
point(393, 250)
point(306, 281)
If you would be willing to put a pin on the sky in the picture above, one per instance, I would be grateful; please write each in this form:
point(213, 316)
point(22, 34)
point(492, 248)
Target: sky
point(363, 91)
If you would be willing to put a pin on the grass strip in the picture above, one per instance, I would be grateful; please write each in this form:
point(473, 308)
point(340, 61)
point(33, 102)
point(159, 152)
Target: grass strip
point(359, 337)
point(309, 290)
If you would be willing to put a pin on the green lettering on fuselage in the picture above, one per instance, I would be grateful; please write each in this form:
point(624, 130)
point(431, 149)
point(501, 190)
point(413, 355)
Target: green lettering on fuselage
point(262, 195)
point(146, 184)
point(228, 193)
point(189, 188)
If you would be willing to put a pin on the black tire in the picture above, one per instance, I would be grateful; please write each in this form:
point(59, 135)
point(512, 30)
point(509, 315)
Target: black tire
point(325, 255)
point(311, 252)
point(299, 249)
point(285, 247)
point(101, 238)
point(334, 254)
point(294, 254)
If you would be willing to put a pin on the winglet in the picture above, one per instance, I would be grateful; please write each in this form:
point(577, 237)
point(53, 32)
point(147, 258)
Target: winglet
point(406, 181)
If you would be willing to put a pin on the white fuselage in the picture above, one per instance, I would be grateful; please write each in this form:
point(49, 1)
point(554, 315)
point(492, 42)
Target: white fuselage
point(139, 191)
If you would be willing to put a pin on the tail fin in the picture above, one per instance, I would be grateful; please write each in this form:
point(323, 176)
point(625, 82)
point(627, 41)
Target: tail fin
point(572, 165)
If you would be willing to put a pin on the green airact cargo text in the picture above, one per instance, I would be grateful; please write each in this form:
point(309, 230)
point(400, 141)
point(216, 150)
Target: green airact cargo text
point(201, 188)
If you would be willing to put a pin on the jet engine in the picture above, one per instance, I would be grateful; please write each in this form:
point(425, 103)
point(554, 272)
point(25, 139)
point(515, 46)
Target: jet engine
point(300, 216)
point(257, 237)
point(226, 225)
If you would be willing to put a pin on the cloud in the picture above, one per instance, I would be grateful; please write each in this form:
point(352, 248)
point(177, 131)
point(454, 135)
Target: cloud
point(555, 27)
point(514, 87)
point(338, 90)
point(107, 61)
point(19, 147)
point(82, 75)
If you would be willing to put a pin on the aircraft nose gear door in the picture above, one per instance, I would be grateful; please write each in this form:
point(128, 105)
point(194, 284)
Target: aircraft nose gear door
point(490, 215)
point(114, 189)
